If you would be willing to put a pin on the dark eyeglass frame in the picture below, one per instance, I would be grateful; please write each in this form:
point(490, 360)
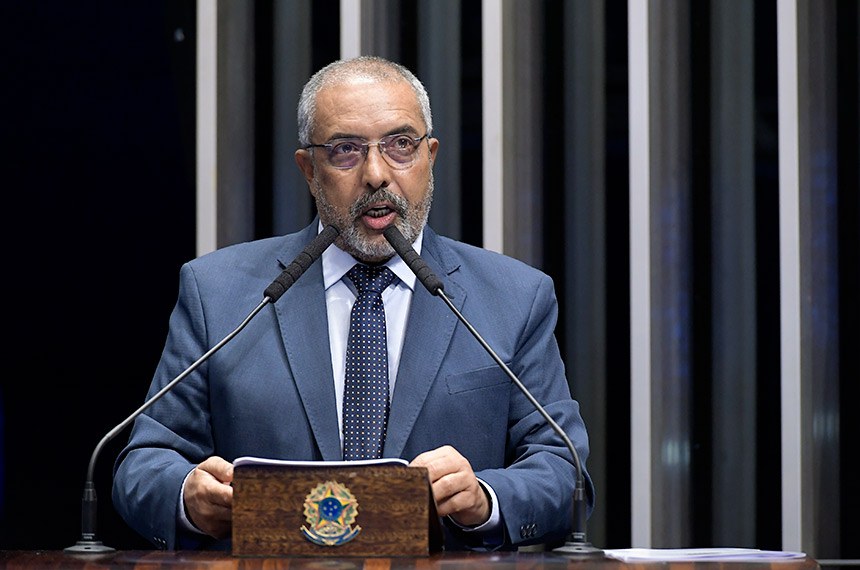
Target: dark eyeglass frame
point(381, 143)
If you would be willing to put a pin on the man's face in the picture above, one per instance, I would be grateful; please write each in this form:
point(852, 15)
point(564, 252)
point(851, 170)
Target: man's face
point(364, 200)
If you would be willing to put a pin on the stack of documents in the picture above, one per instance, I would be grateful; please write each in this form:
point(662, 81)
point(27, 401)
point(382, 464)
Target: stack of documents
point(702, 554)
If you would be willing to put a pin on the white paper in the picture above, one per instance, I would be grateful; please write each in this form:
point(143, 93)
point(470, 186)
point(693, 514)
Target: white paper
point(702, 554)
point(248, 460)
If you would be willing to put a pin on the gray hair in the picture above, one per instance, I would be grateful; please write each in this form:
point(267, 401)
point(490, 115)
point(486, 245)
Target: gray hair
point(365, 67)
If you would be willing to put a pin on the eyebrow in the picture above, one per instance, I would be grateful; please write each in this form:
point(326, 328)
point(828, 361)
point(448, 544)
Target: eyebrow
point(403, 129)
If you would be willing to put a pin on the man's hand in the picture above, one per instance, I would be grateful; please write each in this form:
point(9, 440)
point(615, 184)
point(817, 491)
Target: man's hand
point(209, 497)
point(457, 491)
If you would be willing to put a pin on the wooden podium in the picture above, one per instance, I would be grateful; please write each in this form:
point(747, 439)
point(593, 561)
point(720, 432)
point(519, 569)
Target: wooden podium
point(209, 560)
point(356, 509)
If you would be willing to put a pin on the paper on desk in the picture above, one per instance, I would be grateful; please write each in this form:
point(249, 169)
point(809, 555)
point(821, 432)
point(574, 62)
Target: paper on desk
point(702, 554)
point(247, 460)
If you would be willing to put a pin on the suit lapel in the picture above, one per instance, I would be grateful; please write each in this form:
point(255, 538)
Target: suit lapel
point(428, 333)
point(303, 321)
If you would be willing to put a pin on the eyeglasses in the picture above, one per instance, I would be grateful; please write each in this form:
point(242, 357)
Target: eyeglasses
point(398, 150)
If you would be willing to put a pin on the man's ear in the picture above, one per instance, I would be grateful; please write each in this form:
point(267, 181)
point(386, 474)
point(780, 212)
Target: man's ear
point(306, 164)
point(434, 148)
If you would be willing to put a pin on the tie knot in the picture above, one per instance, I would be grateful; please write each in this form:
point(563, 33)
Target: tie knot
point(367, 278)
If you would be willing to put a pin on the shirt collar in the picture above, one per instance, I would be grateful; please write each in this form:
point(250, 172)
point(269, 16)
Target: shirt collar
point(336, 262)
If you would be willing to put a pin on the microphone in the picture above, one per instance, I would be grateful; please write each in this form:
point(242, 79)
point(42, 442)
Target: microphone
point(89, 543)
point(300, 264)
point(577, 543)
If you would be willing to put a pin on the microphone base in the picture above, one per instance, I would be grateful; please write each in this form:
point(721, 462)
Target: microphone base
point(89, 547)
point(579, 550)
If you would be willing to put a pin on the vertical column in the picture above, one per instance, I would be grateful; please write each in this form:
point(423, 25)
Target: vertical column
point(670, 271)
point(492, 86)
point(380, 28)
point(733, 239)
point(512, 147)
point(207, 125)
point(350, 28)
point(522, 193)
point(584, 140)
point(809, 277)
point(662, 450)
point(291, 200)
point(439, 64)
point(235, 132)
point(640, 274)
point(819, 263)
point(796, 522)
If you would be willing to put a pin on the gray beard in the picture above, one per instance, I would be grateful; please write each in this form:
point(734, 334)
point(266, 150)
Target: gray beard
point(411, 219)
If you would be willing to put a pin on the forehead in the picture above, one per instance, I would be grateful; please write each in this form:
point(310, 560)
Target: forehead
point(366, 108)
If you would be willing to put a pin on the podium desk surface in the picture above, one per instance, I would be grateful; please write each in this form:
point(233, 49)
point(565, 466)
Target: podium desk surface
point(176, 560)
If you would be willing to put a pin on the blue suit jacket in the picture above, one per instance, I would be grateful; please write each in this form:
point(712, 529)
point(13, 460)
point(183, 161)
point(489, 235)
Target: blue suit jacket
point(269, 392)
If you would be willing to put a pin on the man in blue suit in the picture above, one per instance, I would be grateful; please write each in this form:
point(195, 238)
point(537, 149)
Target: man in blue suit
point(500, 475)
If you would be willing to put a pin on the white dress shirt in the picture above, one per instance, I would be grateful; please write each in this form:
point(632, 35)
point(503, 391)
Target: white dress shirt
point(340, 296)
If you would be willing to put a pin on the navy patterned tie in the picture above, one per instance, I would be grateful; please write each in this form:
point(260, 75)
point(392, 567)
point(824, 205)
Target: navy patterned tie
point(365, 393)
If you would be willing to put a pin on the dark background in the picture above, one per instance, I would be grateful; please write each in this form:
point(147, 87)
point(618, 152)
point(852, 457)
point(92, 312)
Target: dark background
point(98, 179)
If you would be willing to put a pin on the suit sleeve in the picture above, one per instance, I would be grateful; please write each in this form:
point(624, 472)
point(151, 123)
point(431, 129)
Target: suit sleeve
point(172, 436)
point(535, 489)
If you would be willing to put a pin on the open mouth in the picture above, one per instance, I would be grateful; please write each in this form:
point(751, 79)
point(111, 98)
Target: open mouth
point(378, 211)
point(379, 217)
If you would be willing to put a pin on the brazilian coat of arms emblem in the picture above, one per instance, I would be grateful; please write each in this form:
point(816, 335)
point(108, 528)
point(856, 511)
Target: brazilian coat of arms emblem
point(330, 511)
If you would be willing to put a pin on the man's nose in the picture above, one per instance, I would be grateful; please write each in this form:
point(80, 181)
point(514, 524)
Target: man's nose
point(376, 169)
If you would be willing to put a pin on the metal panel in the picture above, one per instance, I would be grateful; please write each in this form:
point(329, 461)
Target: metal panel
point(809, 280)
point(492, 87)
point(350, 28)
point(670, 272)
point(640, 270)
point(235, 167)
point(820, 266)
point(380, 31)
point(796, 520)
point(523, 120)
point(733, 256)
point(439, 64)
point(207, 125)
point(291, 199)
point(584, 140)
point(660, 255)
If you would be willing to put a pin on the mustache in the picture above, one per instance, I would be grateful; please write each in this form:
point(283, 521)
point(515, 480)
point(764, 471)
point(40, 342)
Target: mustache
point(398, 203)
